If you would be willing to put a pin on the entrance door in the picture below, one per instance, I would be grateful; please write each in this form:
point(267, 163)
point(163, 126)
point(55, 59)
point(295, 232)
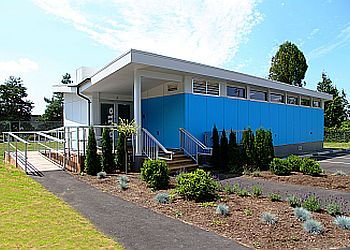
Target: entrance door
point(107, 113)
point(124, 111)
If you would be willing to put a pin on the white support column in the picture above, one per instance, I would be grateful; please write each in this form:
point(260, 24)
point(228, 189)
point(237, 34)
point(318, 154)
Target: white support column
point(248, 92)
point(137, 113)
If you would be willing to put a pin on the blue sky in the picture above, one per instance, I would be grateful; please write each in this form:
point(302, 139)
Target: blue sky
point(43, 39)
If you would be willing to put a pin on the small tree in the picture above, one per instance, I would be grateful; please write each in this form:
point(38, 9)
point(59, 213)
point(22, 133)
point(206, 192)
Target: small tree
point(233, 155)
point(120, 154)
point(126, 129)
point(223, 150)
point(269, 146)
point(260, 148)
point(215, 158)
point(92, 163)
point(248, 154)
point(107, 160)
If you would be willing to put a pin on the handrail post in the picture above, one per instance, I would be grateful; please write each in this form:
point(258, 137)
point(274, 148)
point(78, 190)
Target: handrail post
point(8, 147)
point(25, 157)
point(16, 150)
point(196, 153)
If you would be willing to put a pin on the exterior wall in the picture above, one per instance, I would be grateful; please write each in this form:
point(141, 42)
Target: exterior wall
point(75, 110)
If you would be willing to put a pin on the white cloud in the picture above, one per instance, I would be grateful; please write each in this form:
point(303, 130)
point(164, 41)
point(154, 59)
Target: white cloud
point(206, 31)
point(22, 65)
point(340, 40)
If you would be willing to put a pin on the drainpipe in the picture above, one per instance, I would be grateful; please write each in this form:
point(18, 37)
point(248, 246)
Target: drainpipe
point(88, 100)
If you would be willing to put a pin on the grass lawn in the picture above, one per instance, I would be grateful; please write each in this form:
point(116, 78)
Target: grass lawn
point(32, 217)
point(337, 145)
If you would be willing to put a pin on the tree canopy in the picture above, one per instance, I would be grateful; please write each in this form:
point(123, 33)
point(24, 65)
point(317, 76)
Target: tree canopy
point(14, 105)
point(54, 107)
point(288, 65)
point(336, 110)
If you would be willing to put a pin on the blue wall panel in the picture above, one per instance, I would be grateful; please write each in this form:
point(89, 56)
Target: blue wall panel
point(242, 114)
point(230, 114)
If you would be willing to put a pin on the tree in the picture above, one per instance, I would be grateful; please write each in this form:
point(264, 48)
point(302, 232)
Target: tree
point(263, 148)
point(120, 155)
point(215, 157)
point(92, 163)
point(336, 110)
point(13, 103)
point(223, 150)
point(288, 65)
point(233, 155)
point(54, 107)
point(107, 160)
point(248, 154)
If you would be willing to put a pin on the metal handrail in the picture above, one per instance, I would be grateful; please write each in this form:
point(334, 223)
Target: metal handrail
point(50, 137)
point(17, 152)
point(151, 146)
point(192, 146)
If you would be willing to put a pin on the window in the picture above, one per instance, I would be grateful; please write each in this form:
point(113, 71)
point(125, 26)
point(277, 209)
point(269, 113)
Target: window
point(276, 97)
point(316, 103)
point(205, 87)
point(305, 102)
point(172, 87)
point(258, 95)
point(292, 100)
point(236, 92)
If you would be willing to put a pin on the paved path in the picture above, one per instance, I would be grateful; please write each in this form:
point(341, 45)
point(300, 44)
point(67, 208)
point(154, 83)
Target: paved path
point(335, 162)
point(325, 196)
point(131, 225)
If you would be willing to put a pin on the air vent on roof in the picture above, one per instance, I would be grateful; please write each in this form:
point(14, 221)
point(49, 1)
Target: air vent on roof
point(199, 87)
point(172, 87)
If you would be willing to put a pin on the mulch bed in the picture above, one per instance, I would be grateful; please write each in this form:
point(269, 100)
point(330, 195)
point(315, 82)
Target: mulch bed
point(247, 229)
point(326, 181)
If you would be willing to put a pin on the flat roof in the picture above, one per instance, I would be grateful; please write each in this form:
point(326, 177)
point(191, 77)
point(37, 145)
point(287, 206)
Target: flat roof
point(140, 57)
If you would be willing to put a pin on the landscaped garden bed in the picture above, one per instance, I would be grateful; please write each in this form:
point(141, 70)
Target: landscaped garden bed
point(327, 181)
point(243, 224)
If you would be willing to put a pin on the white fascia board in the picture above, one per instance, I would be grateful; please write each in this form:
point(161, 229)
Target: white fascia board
point(146, 58)
point(63, 88)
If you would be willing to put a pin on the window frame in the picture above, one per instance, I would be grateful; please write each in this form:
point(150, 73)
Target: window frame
point(206, 87)
point(280, 94)
point(239, 87)
point(259, 90)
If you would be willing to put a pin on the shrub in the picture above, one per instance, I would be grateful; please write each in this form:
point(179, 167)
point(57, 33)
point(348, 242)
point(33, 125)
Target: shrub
point(162, 198)
point(295, 162)
point(120, 155)
point(310, 167)
point(243, 192)
point(313, 227)
point(123, 178)
point(275, 197)
point(234, 165)
point(215, 157)
point(101, 175)
point(342, 222)
point(197, 185)
point(269, 218)
point(223, 210)
point(256, 191)
point(302, 214)
point(333, 209)
point(155, 173)
point(228, 189)
point(107, 160)
point(280, 167)
point(92, 163)
point(248, 153)
point(236, 188)
point(123, 182)
point(312, 204)
point(293, 201)
point(247, 212)
point(263, 148)
point(223, 150)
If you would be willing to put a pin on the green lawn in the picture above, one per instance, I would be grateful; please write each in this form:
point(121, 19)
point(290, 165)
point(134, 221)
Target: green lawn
point(32, 217)
point(337, 145)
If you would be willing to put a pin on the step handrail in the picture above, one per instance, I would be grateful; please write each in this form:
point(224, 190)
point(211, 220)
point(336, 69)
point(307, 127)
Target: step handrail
point(192, 146)
point(151, 146)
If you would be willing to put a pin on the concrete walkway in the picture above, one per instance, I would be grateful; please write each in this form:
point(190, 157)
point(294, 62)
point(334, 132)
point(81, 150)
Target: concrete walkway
point(132, 226)
point(284, 189)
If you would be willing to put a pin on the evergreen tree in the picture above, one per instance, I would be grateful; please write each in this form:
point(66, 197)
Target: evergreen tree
point(215, 158)
point(288, 65)
point(92, 163)
point(248, 154)
point(233, 155)
point(269, 146)
point(120, 155)
point(259, 148)
point(107, 160)
point(223, 150)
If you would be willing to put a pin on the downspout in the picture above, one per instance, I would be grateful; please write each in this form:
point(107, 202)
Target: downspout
point(87, 99)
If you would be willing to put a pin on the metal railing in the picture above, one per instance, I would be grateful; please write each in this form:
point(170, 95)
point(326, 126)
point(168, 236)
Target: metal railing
point(19, 156)
point(192, 146)
point(152, 148)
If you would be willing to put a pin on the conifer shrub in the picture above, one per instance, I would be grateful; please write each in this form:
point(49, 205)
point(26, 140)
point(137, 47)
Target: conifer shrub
point(92, 163)
point(223, 150)
point(234, 165)
point(197, 185)
point(280, 167)
point(248, 151)
point(215, 157)
point(120, 155)
point(107, 160)
point(155, 173)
